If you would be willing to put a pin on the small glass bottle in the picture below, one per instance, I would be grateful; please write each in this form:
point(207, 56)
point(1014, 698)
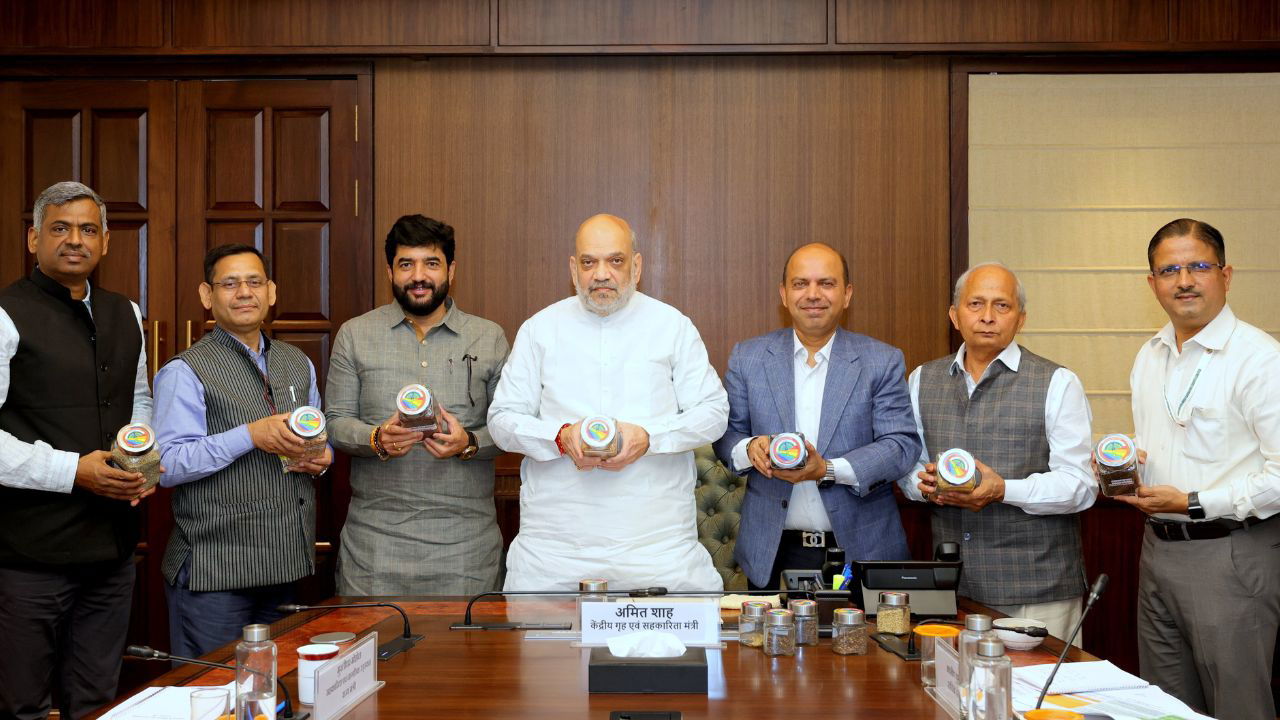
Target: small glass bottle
point(416, 407)
point(848, 632)
point(930, 637)
point(751, 622)
point(805, 613)
point(593, 590)
point(600, 436)
point(893, 613)
point(976, 627)
point(957, 471)
point(135, 450)
point(308, 423)
point(787, 451)
point(256, 674)
point(779, 633)
point(990, 682)
point(1117, 460)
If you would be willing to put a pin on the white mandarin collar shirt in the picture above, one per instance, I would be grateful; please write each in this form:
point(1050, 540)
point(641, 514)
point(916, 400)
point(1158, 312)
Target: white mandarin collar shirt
point(1209, 416)
point(1068, 486)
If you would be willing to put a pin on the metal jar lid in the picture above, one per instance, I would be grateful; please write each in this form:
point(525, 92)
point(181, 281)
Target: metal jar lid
point(895, 599)
point(803, 608)
point(786, 450)
point(778, 617)
point(977, 622)
point(593, 585)
point(136, 438)
point(413, 399)
point(257, 633)
point(755, 608)
point(848, 616)
point(956, 466)
point(1115, 450)
point(598, 431)
point(990, 647)
point(306, 421)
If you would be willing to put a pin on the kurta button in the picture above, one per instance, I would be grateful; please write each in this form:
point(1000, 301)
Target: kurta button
point(784, 503)
point(424, 363)
point(968, 536)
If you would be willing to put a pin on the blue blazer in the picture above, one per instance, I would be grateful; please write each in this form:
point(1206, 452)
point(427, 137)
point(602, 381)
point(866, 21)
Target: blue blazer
point(866, 419)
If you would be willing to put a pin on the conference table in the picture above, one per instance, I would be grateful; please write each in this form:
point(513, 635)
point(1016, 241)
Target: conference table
point(504, 674)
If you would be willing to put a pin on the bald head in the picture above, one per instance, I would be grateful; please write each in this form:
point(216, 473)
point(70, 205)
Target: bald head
point(820, 252)
point(605, 228)
point(605, 266)
point(990, 274)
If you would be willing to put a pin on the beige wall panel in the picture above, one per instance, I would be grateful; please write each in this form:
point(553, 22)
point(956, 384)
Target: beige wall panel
point(1102, 361)
point(1086, 300)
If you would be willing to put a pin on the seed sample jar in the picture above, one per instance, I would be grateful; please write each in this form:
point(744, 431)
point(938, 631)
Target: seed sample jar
point(930, 636)
point(779, 633)
point(1117, 459)
point(751, 622)
point(787, 451)
point(957, 471)
point(805, 613)
point(308, 423)
point(848, 632)
point(893, 613)
point(135, 450)
point(417, 408)
point(600, 436)
point(593, 590)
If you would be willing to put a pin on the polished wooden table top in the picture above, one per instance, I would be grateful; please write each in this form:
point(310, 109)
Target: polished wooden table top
point(503, 674)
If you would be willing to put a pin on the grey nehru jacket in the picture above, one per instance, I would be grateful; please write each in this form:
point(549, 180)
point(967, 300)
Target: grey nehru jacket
point(416, 525)
point(1010, 557)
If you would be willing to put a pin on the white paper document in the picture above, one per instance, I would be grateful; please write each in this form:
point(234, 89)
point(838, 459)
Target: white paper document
point(1079, 677)
point(160, 703)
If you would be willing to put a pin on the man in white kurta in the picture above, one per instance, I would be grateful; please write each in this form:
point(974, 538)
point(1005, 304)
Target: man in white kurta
point(608, 351)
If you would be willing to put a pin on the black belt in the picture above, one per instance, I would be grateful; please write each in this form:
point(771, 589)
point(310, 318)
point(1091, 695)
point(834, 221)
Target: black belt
point(810, 538)
point(1173, 530)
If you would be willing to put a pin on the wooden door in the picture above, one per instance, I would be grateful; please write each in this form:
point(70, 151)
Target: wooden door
point(277, 164)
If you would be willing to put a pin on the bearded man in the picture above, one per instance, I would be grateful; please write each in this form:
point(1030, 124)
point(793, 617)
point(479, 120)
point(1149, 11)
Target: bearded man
point(613, 352)
point(421, 519)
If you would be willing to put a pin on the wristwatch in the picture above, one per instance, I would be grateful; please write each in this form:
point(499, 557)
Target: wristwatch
point(472, 447)
point(829, 478)
point(1194, 508)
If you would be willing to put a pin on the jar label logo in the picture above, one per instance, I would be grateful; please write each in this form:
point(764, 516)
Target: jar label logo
point(308, 421)
point(787, 451)
point(137, 437)
point(1115, 451)
point(413, 400)
point(598, 430)
point(957, 466)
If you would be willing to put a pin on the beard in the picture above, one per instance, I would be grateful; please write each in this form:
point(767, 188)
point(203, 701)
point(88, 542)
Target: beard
point(427, 305)
point(603, 309)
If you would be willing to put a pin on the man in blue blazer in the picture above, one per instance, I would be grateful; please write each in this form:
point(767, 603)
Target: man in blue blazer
point(847, 394)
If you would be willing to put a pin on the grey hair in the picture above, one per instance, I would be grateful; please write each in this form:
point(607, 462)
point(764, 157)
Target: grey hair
point(60, 194)
point(964, 278)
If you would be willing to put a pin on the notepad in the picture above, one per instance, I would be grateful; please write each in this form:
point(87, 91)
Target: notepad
point(1080, 677)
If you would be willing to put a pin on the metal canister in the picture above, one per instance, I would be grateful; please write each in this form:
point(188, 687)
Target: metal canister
point(787, 451)
point(957, 471)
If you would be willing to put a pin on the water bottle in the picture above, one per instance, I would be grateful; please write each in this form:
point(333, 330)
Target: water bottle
point(990, 683)
point(976, 627)
point(256, 674)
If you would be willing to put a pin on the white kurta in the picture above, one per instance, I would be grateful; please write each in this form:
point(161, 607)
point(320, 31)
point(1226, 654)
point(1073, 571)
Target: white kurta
point(644, 364)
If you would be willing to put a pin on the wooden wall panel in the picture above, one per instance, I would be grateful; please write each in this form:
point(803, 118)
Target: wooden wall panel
point(1002, 21)
point(662, 22)
point(723, 165)
point(317, 23)
point(82, 23)
point(1227, 21)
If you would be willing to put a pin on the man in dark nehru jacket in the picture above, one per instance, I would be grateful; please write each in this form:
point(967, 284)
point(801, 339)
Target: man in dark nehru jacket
point(72, 373)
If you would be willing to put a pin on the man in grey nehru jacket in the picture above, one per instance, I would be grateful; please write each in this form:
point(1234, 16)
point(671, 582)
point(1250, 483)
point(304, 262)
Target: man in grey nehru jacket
point(1026, 422)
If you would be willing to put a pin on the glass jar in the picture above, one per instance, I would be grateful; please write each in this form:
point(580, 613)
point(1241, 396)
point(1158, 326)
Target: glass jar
point(307, 423)
point(135, 450)
point(591, 590)
point(976, 627)
point(779, 633)
point(751, 623)
point(990, 683)
point(848, 632)
point(930, 637)
point(805, 613)
point(893, 613)
point(1117, 465)
point(957, 471)
point(416, 408)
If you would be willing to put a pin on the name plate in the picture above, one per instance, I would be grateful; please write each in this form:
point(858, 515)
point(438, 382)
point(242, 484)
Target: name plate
point(347, 679)
point(696, 622)
point(946, 667)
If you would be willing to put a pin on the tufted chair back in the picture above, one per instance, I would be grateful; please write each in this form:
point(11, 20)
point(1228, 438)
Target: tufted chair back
point(719, 496)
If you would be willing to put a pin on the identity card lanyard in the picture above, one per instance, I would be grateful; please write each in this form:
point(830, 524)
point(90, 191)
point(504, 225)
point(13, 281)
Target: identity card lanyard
point(1176, 414)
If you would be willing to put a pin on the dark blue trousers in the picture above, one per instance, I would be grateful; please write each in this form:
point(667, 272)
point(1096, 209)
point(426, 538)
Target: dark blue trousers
point(200, 622)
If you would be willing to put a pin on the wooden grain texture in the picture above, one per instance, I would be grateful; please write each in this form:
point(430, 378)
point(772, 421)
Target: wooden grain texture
point(723, 165)
point(82, 23)
point(1242, 21)
point(293, 23)
point(661, 22)
point(1001, 21)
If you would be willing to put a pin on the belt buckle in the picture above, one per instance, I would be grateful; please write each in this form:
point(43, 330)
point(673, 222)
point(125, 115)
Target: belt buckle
point(812, 539)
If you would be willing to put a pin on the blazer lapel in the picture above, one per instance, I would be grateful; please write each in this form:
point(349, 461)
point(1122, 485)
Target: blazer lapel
point(842, 376)
point(782, 379)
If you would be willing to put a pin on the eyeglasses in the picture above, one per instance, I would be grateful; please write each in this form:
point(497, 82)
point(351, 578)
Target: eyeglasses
point(1195, 268)
point(233, 284)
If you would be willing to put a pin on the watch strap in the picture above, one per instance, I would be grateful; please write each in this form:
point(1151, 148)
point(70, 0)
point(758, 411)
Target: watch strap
point(1194, 509)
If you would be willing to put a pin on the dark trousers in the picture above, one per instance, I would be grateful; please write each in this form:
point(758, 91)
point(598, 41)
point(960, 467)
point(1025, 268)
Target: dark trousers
point(792, 556)
point(201, 622)
point(63, 627)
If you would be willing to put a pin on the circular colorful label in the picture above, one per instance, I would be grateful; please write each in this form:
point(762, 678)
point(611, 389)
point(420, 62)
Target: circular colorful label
point(413, 399)
point(956, 466)
point(135, 438)
point(597, 431)
point(307, 421)
point(787, 450)
point(1114, 450)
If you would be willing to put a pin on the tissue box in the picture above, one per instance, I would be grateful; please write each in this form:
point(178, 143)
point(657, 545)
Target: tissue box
point(607, 673)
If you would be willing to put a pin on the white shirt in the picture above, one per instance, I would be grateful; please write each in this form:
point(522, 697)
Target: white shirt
point(1226, 440)
point(644, 364)
point(38, 466)
point(805, 510)
point(1069, 485)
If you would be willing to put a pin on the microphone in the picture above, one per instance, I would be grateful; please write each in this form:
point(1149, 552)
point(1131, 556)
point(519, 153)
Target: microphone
point(1099, 586)
point(386, 650)
point(149, 653)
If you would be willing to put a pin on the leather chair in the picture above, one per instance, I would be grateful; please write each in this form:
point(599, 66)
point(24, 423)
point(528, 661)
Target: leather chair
point(719, 496)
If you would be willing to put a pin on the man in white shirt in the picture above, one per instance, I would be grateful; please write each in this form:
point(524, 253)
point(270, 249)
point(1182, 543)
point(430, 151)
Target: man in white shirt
point(1026, 421)
point(1206, 409)
point(609, 351)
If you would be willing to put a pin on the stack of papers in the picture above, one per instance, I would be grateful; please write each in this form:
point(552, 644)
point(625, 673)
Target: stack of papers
point(159, 703)
point(1098, 689)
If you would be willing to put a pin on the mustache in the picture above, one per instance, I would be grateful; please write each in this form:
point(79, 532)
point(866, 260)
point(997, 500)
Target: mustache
point(73, 250)
point(603, 285)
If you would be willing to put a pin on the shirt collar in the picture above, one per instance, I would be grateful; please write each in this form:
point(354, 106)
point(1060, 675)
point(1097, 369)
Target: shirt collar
point(1011, 356)
point(1213, 336)
point(799, 351)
